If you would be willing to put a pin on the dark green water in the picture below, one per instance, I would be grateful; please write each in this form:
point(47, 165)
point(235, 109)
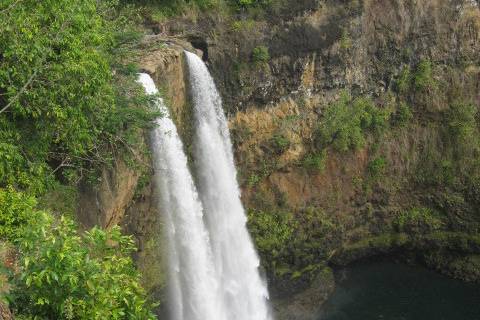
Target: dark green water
point(389, 291)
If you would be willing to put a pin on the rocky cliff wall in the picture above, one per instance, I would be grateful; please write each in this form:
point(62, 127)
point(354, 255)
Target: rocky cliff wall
point(322, 189)
point(417, 64)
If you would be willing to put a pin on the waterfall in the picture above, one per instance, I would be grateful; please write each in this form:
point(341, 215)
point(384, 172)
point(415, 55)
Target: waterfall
point(213, 266)
point(242, 290)
point(194, 287)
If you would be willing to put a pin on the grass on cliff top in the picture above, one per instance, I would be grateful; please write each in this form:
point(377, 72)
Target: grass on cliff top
point(159, 11)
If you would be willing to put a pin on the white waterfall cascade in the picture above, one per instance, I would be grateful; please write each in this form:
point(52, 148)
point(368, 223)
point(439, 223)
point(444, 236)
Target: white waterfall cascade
point(194, 287)
point(242, 291)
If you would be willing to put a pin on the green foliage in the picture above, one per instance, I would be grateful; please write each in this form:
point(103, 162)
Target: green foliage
point(345, 40)
point(291, 245)
point(253, 180)
point(61, 108)
point(423, 77)
point(376, 167)
point(404, 81)
point(262, 171)
point(251, 3)
point(466, 268)
point(455, 164)
point(260, 54)
point(160, 10)
point(420, 80)
point(15, 168)
point(347, 121)
point(15, 211)
point(60, 199)
point(417, 220)
point(403, 115)
point(243, 25)
point(245, 2)
point(65, 275)
point(69, 105)
point(280, 143)
point(462, 123)
point(315, 161)
point(272, 231)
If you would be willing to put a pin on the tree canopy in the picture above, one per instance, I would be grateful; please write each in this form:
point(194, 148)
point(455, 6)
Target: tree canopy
point(59, 106)
point(68, 105)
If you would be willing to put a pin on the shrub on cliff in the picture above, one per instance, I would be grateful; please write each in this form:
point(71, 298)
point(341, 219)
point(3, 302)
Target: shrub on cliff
point(289, 244)
point(260, 54)
point(417, 220)
point(15, 212)
point(315, 161)
point(249, 3)
point(423, 77)
point(61, 273)
point(347, 121)
point(66, 275)
point(462, 123)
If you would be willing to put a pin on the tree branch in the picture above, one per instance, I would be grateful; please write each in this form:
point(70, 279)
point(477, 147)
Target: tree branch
point(63, 164)
point(32, 77)
point(19, 93)
point(10, 6)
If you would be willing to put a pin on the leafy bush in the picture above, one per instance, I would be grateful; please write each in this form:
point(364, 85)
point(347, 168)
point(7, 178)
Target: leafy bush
point(403, 115)
point(68, 104)
point(260, 54)
point(404, 81)
point(291, 244)
point(315, 161)
point(251, 3)
point(65, 275)
point(15, 212)
point(347, 121)
point(253, 180)
point(376, 167)
point(417, 220)
point(243, 25)
point(423, 78)
point(280, 143)
point(461, 121)
point(15, 169)
point(272, 231)
point(245, 2)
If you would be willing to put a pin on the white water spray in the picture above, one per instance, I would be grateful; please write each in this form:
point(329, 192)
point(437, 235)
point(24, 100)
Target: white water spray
point(194, 289)
point(242, 290)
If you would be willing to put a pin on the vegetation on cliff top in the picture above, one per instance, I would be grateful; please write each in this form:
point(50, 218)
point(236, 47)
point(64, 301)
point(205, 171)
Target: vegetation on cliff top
point(68, 106)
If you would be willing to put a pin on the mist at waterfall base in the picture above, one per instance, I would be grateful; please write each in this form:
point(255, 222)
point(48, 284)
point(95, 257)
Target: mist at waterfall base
point(213, 266)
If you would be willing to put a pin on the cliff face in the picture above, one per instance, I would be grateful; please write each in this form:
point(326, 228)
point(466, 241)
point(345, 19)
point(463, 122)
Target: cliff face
point(355, 126)
point(350, 177)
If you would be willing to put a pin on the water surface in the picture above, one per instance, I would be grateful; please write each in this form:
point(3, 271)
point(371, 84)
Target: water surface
point(390, 291)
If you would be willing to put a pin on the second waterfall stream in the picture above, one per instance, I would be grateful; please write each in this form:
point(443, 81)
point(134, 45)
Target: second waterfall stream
point(213, 265)
point(242, 290)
